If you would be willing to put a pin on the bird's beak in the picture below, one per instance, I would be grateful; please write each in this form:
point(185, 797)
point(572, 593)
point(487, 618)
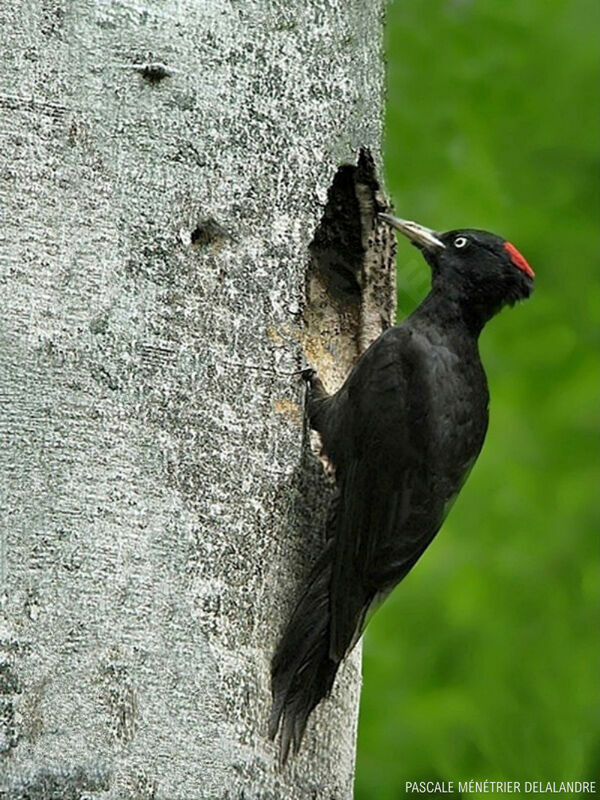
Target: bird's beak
point(418, 234)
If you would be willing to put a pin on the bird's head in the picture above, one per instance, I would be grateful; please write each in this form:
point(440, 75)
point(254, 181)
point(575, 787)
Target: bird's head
point(478, 269)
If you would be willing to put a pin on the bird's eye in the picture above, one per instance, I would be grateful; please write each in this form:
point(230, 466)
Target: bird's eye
point(460, 241)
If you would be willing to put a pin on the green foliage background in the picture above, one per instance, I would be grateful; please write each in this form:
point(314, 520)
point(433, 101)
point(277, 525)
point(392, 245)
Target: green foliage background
point(484, 662)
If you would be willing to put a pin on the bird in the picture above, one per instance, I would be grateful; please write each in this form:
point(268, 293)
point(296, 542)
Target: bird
point(402, 434)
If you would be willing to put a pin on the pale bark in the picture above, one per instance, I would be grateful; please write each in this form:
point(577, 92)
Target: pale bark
point(160, 505)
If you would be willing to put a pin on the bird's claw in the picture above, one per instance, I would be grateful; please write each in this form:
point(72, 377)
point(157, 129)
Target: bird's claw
point(309, 374)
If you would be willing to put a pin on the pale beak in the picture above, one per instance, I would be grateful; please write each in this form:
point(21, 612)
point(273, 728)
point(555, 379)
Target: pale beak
point(419, 234)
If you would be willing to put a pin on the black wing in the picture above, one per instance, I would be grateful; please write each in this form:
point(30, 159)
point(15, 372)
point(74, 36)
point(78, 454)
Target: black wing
point(378, 440)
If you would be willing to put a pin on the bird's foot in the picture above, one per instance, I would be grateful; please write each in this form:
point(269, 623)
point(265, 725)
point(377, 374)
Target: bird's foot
point(309, 374)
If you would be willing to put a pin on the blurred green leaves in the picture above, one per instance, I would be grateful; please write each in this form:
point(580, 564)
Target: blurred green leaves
point(484, 662)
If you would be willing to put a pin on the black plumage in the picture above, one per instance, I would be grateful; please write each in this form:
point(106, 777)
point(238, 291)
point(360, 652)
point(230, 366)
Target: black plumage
point(402, 434)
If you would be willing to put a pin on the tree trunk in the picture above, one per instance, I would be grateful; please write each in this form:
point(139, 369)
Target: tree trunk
point(164, 169)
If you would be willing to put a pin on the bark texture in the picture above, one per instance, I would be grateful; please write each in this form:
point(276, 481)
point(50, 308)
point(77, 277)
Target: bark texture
point(163, 170)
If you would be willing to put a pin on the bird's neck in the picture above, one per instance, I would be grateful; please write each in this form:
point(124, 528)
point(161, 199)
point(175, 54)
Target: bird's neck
point(445, 309)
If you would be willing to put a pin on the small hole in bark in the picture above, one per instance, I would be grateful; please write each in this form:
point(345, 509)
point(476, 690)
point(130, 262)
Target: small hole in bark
point(208, 232)
point(155, 72)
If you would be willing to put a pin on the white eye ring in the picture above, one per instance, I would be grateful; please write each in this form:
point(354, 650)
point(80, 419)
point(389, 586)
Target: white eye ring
point(460, 241)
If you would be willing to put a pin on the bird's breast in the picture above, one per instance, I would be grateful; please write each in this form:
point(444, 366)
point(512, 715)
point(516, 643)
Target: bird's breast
point(457, 418)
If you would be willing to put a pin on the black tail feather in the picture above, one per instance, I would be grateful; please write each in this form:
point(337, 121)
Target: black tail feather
point(302, 673)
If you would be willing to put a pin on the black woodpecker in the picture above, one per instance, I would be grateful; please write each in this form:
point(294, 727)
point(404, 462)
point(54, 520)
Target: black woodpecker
point(402, 433)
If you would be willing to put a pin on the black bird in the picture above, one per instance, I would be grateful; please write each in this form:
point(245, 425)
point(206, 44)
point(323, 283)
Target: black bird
point(402, 434)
